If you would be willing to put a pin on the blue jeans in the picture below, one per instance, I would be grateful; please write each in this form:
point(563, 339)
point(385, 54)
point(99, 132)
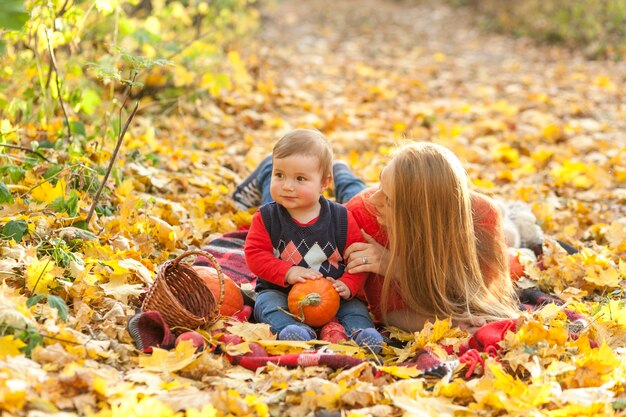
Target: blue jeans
point(270, 307)
point(347, 185)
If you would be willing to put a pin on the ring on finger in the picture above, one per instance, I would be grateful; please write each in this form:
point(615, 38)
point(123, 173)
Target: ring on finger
point(365, 260)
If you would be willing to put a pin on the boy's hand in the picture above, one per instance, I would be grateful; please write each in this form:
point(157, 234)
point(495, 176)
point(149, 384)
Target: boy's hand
point(301, 274)
point(341, 288)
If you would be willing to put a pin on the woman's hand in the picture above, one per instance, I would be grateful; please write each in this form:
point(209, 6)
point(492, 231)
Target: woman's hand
point(470, 325)
point(368, 256)
point(301, 274)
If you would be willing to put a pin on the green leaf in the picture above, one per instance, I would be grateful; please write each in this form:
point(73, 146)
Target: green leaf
point(5, 194)
point(57, 302)
point(32, 340)
point(58, 205)
point(106, 68)
point(12, 14)
point(89, 101)
point(619, 404)
point(34, 300)
point(14, 229)
point(78, 128)
point(71, 204)
point(13, 172)
point(51, 172)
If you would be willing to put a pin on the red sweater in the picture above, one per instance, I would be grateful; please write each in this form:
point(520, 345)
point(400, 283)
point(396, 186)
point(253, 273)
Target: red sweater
point(263, 263)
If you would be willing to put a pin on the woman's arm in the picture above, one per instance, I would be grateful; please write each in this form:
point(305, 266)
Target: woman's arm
point(407, 320)
point(410, 321)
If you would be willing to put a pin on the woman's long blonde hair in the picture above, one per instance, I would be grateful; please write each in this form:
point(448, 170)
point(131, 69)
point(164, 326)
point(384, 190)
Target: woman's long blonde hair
point(437, 254)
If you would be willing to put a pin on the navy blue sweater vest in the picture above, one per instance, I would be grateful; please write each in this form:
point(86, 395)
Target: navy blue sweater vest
point(319, 246)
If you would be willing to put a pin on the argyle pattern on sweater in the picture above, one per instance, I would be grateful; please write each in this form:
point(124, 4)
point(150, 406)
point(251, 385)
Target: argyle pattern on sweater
point(316, 246)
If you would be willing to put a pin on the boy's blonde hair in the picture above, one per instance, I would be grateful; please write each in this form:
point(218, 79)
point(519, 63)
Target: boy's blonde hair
point(306, 142)
point(437, 255)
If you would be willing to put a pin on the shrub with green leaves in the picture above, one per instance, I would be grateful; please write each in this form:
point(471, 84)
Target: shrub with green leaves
point(597, 26)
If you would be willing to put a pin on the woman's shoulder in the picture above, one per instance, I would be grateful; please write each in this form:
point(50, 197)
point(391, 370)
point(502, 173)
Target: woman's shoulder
point(484, 209)
point(362, 211)
point(360, 201)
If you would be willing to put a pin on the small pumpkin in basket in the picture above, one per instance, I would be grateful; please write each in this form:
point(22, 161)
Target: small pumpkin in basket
point(233, 299)
point(313, 302)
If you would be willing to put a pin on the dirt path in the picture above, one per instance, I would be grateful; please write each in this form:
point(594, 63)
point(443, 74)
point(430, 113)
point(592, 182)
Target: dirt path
point(370, 72)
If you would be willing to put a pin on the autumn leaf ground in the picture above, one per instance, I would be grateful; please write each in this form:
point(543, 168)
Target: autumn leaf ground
point(535, 124)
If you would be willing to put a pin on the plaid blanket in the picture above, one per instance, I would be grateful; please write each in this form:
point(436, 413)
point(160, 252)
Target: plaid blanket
point(228, 252)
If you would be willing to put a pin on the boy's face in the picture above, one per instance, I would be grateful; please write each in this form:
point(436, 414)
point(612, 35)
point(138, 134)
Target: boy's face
point(297, 182)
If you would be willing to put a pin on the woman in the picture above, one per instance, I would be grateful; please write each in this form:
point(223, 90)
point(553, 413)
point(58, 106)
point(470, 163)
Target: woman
point(446, 243)
point(434, 248)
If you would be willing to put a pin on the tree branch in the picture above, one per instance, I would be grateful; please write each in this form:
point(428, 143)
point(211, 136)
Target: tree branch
point(110, 167)
point(23, 148)
point(53, 62)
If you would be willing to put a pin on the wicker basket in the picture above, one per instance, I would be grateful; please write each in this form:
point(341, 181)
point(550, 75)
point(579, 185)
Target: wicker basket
point(182, 297)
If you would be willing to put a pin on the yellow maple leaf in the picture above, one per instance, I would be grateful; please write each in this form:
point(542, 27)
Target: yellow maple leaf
point(594, 368)
point(613, 311)
point(251, 331)
point(521, 395)
point(483, 183)
point(599, 269)
point(12, 393)
point(506, 153)
point(541, 156)
point(457, 389)
point(439, 57)
point(10, 346)
point(552, 132)
point(433, 333)
point(603, 81)
point(119, 289)
point(39, 275)
point(260, 408)
point(403, 372)
point(579, 410)
point(147, 406)
point(126, 188)
point(575, 173)
point(46, 193)
point(534, 332)
point(616, 235)
point(162, 360)
point(410, 396)
point(206, 411)
point(280, 347)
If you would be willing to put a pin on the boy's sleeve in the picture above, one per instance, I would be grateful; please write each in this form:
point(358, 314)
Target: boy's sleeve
point(353, 281)
point(260, 254)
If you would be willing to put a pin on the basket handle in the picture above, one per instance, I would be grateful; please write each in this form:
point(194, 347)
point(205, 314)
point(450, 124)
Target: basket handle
point(216, 266)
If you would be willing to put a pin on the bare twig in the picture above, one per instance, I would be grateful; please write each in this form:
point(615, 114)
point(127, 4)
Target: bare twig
point(23, 148)
point(64, 9)
point(129, 87)
point(110, 167)
point(53, 62)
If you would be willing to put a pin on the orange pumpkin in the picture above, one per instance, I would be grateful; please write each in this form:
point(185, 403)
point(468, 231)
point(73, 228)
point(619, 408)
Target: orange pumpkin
point(233, 299)
point(313, 302)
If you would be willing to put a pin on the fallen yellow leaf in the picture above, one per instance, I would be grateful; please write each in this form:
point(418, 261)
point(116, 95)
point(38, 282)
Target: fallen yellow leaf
point(162, 360)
